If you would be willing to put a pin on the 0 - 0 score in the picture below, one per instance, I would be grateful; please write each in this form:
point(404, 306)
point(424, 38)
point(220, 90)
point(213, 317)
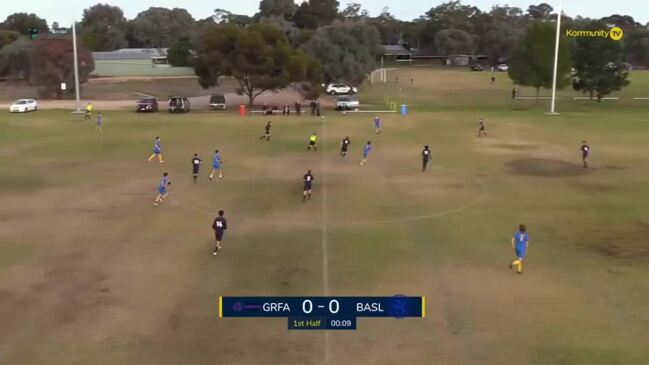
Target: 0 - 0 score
point(307, 306)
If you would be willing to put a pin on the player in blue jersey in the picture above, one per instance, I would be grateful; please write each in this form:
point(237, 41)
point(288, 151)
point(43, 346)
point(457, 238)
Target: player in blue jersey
point(520, 242)
point(157, 150)
point(162, 189)
point(377, 124)
point(366, 151)
point(100, 123)
point(216, 164)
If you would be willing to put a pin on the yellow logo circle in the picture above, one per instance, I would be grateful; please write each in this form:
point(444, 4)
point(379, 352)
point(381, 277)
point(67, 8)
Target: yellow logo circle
point(616, 33)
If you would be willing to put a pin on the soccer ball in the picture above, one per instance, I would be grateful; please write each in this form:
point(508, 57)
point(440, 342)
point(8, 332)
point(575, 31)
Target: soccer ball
point(344, 112)
point(322, 116)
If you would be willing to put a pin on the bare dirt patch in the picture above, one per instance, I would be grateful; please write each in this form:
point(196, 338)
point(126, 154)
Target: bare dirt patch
point(628, 246)
point(545, 167)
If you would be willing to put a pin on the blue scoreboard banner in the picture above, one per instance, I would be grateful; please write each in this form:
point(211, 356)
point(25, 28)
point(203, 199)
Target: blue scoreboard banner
point(322, 313)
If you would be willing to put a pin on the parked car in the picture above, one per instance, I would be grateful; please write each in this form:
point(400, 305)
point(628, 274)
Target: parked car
point(23, 106)
point(340, 89)
point(217, 102)
point(347, 103)
point(502, 68)
point(148, 104)
point(476, 67)
point(179, 104)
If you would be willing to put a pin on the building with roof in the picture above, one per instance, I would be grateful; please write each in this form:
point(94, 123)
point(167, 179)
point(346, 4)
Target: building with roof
point(136, 62)
point(395, 53)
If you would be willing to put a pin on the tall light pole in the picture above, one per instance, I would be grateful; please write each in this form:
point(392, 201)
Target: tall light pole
point(556, 59)
point(76, 67)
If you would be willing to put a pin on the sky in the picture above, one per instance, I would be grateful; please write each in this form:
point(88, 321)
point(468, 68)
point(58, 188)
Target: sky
point(64, 11)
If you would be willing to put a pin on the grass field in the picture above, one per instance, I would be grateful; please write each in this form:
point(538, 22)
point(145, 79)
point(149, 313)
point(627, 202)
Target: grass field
point(91, 273)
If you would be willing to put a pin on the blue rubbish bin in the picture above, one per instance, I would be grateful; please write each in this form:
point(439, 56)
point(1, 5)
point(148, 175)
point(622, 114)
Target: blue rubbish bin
point(404, 109)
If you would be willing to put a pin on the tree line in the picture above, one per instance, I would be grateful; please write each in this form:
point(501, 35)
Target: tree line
point(319, 41)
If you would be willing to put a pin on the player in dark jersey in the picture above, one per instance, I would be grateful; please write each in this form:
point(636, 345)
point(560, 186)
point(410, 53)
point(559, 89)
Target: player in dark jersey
point(267, 132)
point(585, 151)
point(482, 131)
point(425, 157)
point(196, 164)
point(219, 225)
point(308, 183)
point(344, 145)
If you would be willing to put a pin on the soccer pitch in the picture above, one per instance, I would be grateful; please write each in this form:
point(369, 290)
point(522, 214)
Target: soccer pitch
point(92, 273)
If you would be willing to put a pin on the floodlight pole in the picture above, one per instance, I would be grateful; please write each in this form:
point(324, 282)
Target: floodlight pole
point(76, 67)
point(556, 59)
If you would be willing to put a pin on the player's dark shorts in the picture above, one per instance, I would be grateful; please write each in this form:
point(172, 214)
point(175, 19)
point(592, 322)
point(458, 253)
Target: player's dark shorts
point(311, 143)
point(584, 155)
point(482, 129)
point(343, 149)
point(307, 186)
point(219, 235)
point(195, 170)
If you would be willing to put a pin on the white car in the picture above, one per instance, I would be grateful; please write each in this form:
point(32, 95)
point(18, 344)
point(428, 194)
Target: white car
point(502, 68)
point(347, 103)
point(340, 89)
point(23, 105)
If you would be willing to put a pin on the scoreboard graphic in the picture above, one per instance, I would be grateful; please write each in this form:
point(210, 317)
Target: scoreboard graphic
point(322, 313)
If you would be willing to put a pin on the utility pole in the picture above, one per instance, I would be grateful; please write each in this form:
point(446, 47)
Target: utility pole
point(556, 59)
point(76, 68)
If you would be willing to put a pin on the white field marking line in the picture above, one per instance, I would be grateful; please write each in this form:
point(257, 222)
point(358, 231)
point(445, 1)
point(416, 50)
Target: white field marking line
point(369, 111)
point(640, 98)
point(477, 201)
point(587, 98)
point(325, 253)
point(534, 97)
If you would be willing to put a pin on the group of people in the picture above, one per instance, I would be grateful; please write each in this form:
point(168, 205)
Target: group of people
point(520, 240)
point(220, 224)
point(286, 109)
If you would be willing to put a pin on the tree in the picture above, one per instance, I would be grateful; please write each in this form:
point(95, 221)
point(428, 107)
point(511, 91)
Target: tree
point(541, 12)
point(15, 58)
point(449, 15)
point(531, 63)
point(179, 55)
point(352, 12)
point(346, 50)
point(636, 46)
point(282, 8)
point(315, 13)
point(389, 27)
point(52, 63)
point(160, 27)
point(289, 29)
point(8, 37)
point(599, 69)
point(499, 42)
point(259, 57)
point(103, 28)
point(454, 41)
point(21, 22)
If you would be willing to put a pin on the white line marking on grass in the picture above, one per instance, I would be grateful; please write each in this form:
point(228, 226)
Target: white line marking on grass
point(325, 220)
point(640, 98)
point(325, 223)
point(369, 111)
point(587, 98)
